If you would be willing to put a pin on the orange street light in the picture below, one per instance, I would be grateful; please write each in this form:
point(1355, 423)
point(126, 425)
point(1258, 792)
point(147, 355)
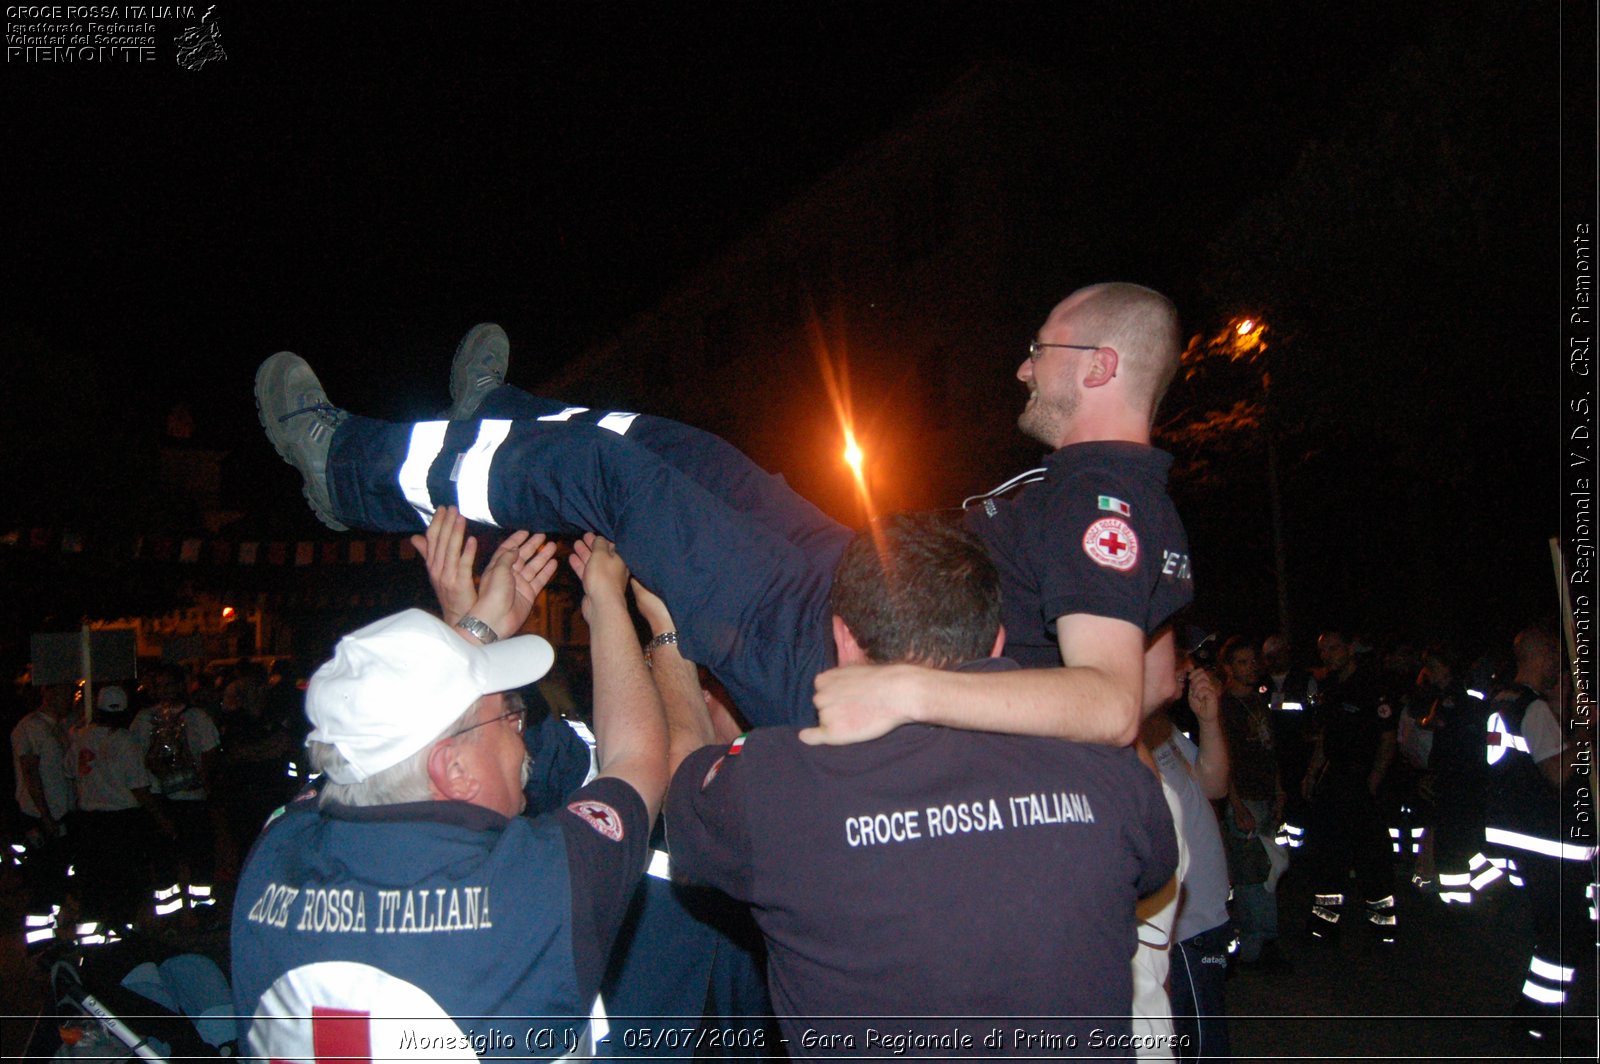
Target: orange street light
point(856, 459)
point(853, 455)
point(1244, 339)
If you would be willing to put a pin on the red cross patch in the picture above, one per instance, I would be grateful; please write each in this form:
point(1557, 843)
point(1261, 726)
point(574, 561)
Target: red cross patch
point(600, 816)
point(1111, 542)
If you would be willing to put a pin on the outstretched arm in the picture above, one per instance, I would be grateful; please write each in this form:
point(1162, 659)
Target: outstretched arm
point(629, 727)
point(1212, 768)
point(678, 680)
point(1095, 697)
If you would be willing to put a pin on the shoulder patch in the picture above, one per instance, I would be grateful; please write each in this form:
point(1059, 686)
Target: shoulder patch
point(716, 766)
point(1115, 505)
point(599, 816)
point(1110, 542)
point(1384, 711)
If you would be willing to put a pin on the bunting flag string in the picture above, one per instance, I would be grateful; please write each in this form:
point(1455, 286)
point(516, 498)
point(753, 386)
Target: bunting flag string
point(195, 550)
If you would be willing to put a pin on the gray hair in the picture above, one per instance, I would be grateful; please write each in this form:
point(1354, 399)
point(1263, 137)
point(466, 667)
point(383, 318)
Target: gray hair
point(405, 782)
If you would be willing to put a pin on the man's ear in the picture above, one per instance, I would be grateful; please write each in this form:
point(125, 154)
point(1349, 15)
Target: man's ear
point(999, 642)
point(1102, 367)
point(850, 652)
point(449, 776)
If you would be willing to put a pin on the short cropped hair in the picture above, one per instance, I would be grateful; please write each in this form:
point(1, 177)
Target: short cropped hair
point(917, 587)
point(1142, 325)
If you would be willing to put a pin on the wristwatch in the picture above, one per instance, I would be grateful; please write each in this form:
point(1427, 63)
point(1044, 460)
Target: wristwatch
point(477, 629)
point(662, 640)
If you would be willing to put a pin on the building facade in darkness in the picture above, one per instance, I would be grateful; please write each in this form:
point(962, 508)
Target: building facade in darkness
point(918, 269)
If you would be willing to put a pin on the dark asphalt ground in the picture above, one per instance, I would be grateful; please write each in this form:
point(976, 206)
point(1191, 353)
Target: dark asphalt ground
point(1444, 991)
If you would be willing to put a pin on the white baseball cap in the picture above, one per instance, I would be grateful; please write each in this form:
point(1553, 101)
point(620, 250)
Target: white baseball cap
point(394, 685)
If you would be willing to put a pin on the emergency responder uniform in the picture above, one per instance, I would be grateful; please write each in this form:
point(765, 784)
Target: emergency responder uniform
point(1347, 823)
point(1290, 697)
point(1524, 822)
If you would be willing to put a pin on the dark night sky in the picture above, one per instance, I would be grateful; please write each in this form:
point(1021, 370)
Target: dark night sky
point(360, 182)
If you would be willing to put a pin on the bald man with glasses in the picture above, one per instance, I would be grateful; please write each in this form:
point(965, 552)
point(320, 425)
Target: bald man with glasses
point(1093, 558)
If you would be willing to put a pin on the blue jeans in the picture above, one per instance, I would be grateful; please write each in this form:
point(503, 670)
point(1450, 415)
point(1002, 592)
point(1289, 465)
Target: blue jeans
point(743, 562)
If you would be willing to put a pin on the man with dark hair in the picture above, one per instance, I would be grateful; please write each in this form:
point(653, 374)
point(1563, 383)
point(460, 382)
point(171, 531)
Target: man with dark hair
point(939, 603)
point(1354, 748)
point(929, 874)
point(1091, 552)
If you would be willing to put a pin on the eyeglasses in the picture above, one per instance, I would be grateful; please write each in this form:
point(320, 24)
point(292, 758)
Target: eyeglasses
point(1035, 348)
point(517, 717)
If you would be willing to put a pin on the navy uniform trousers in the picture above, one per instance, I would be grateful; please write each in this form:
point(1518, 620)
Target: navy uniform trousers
point(744, 563)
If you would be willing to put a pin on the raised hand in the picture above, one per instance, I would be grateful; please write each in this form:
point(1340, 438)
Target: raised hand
point(602, 570)
point(517, 571)
point(1205, 695)
point(449, 554)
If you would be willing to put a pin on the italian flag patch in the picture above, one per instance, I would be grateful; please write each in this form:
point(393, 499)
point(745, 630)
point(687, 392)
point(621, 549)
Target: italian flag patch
point(1116, 506)
point(737, 745)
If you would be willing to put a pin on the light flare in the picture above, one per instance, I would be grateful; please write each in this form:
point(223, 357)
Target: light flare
point(835, 370)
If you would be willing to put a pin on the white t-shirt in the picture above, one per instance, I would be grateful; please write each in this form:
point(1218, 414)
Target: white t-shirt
point(40, 735)
point(1541, 732)
point(107, 765)
point(1158, 915)
point(1205, 884)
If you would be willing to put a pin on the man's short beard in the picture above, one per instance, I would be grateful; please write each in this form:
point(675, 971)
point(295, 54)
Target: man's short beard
point(1045, 421)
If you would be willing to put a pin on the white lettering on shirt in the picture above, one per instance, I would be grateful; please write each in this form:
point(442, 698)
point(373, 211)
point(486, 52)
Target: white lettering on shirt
point(962, 818)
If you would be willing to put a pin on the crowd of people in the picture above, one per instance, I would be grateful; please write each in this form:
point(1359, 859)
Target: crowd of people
point(858, 793)
point(135, 805)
